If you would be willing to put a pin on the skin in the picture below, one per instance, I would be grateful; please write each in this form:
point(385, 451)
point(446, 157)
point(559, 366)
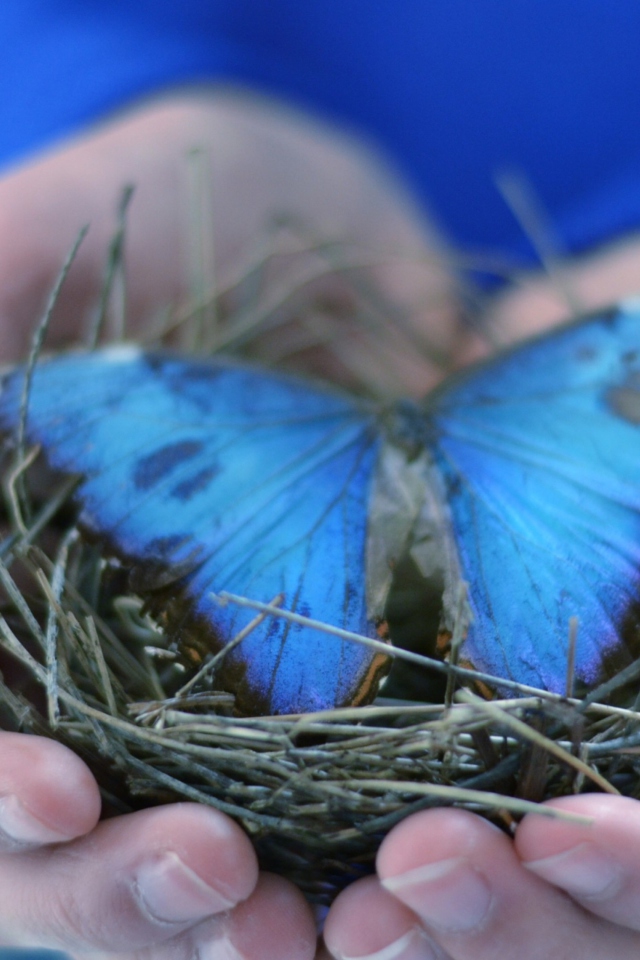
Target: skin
point(182, 881)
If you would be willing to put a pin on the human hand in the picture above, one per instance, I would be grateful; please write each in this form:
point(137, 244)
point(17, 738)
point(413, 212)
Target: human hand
point(451, 886)
point(265, 161)
point(171, 882)
point(80, 893)
point(42, 206)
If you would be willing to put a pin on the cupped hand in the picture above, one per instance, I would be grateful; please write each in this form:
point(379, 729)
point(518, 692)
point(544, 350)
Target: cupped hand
point(182, 881)
point(451, 886)
point(265, 162)
point(179, 881)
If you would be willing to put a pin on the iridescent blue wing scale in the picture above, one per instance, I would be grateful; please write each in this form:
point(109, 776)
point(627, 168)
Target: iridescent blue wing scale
point(209, 477)
point(540, 455)
point(223, 478)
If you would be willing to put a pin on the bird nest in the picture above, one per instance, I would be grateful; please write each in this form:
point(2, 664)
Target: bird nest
point(316, 793)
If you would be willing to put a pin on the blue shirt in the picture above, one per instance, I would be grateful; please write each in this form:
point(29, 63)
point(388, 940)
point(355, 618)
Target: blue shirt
point(454, 92)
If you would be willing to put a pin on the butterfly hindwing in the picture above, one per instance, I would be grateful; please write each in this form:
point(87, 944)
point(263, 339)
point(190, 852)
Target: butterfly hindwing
point(229, 479)
point(540, 455)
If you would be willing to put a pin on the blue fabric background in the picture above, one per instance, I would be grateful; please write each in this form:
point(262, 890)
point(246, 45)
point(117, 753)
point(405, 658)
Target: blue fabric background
point(454, 91)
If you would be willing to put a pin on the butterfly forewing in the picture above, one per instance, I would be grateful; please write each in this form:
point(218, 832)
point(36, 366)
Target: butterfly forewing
point(229, 479)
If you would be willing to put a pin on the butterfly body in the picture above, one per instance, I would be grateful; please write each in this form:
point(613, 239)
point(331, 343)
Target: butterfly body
point(519, 477)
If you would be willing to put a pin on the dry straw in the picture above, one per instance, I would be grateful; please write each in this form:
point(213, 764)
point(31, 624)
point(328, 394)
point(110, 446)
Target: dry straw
point(316, 793)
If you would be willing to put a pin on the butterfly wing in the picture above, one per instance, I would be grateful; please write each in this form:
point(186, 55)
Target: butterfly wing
point(222, 478)
point(540, 456)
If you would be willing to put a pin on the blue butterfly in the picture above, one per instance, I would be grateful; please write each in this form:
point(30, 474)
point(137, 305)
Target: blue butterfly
point(520, 477)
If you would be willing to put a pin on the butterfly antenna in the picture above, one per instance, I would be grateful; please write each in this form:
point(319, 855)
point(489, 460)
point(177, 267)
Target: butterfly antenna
point(523, 202)
point(113, 295)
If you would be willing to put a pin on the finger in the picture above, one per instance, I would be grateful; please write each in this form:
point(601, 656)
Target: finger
point(134, 881)
point(274, 923)
point(47, 794)
point(323, 953)
point(366, 921)
point(266, 159)
point(597, 864)
point(535, 302)
point(462, 878)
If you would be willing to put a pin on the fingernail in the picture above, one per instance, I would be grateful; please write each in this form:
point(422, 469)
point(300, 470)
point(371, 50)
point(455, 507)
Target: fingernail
point(584, 871)
point(22, 827)
point(414, 945)
point(169, 891)
point(219, 949)
point(448, 895)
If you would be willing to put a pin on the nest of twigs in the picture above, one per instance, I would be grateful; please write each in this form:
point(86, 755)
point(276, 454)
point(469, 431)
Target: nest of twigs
point(316, 793)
